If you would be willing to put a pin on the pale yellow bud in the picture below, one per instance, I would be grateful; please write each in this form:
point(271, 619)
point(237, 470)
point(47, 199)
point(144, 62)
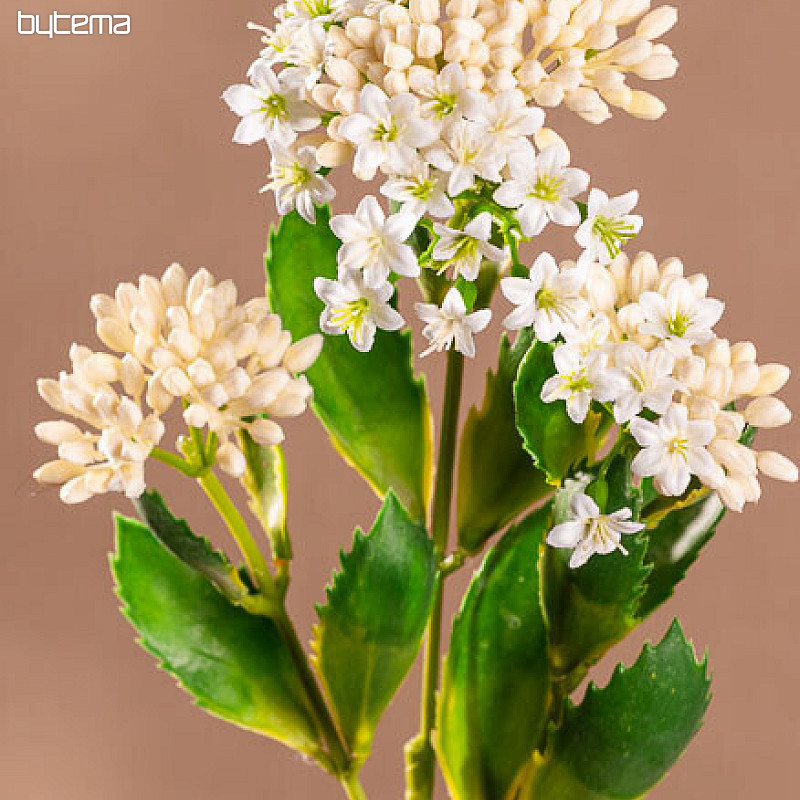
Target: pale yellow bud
point(393, 15)
point(545, 30)
point(730, 425)
point(771, 378)
point(733, 456)
point(56, 472)
point(568, 36)
point(395, 56)
point(479, 54)
point(548, 94)
point(777, 466)
point(657, 67)
point(429, 41)
point(456, 48)
point(545, 137)
point(343, 72)
point(502, 81)
point(657, 22)
point(424, 10)
point(632, 51)
point(619, 96)
point(745, 377)
point(644, 274)
point(362, 30)
point(406, 35)
point(461, 8)
point(743, 351)
point(266, 432)
point(322, 95)
point(646, 106)
point(601, 37)
point(767, 412)
point(230, 460)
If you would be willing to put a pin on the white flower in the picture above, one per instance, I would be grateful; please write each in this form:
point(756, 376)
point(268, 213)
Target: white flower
point(579, 381)
point(609, 225)
point(467, 150)
point(278, 39)
point(674, 449)
point(374, 243)
point(649, 380)
point(451, 324)
point(272, 108)
point(548, 299)
point(421, 191)
point(296, 182)
point(446, 93)
point(387, 132)
point(589, 532)
point(510, 120)
point(589, 336)
point(307, 52)
point(352, 307)
point(541, 188)
point(679, 317)
point(465, 250)
point(317, 10)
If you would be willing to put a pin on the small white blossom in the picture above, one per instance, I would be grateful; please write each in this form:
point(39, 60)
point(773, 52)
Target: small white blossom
point(548, 299)
point(374, 243)
point(649, 380)
point(446, 94)
point(674, 449)
point(307, 52)
point(510, 120)
point(589, 532)
point(464, 250)
point(541, 188)
point(272, 108)
point(679, 317)
point(317, 10)
point(387, 132)
point(467, 151)
point(579, 381)
point(352, 307)
point(609, 225)
point(421, 191)
point(296, 183)
point(451, 325)
point(589, 336)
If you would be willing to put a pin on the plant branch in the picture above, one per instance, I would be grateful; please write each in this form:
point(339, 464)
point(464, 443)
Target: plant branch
point(420, 755)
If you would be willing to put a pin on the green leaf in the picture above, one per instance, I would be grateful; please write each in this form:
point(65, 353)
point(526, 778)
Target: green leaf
point(554, 441)
point(592, 607)
point(265, 483)
point(496, 478)
point(233, 663)
point(674, 545)
point(494, 698)
point(622, 739)
point(197, 552)
point(371, 627)
point(374, 409)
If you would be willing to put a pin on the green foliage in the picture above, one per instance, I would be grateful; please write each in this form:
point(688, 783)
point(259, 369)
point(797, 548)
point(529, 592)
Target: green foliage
point(674, 545)
point(374, 409)
point(496, 478)
point(554, 441)
point(494, 698)
point(591, 608)
point(233, 663)
point(265, 482)
point(371, 627)
point(621, 740)
point(195, 551)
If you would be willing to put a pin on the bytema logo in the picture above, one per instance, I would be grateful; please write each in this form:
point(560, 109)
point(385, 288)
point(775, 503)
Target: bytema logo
point(72, 24)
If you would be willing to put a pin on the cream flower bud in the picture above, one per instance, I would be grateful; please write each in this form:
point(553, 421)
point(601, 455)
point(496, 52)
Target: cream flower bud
point(733, 456)
point(656, 67)
point(767, 412)
point(266, 432)
point(323, 94)
point(342, 71)
point(587, 13)
point(396, 82)
point(771, 379)
point(333, 154)
point(657, 22)
point(777, 466)
point(644, 274)
point(545, 30)
point(548, 94)
point(115, 335)
point(461, 8)
point(56, 432)
point(429, 41)
point(568, 36)
point(645, 106)
point(731, 493)
point(730, 424)
point(362, 30)
point(743, 352)
point(602, 36)
point(395, 56)
point(303, 353)
point(176, 382)
point(619, 96)
point(717, 383)
point(57, 472)
point(393, 15)
point(231, 460)
point(745, 377)
point(424, 10)
point(338, 41)
point(632, 51)
point(546, 137)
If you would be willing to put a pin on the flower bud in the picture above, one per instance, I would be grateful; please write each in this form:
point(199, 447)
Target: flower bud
point(266, 432)
point(395, 82)
point(658, 22)
point(777, 466)
point(333, 154)
point(342, 71)
point(767, 412)
point(231, 460)
point(745, 377)
point(644, 274)
point(545, 30)
point(743, 352)
point(424, 10)
point(322, 94)
point(771, 378)
point(395, 56)
point(644, 105)
point(56, 472)
point(175, 381)
point(632, 51)
point(548, 94)
point(656, 67)
point(362, 30)
point(461, 8)
point(429, 41)
point(303, 353)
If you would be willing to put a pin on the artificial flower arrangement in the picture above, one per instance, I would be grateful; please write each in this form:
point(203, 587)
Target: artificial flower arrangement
point(615, 433)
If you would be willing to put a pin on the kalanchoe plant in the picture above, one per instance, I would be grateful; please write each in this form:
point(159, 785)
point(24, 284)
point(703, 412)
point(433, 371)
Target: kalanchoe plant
point(615, 433)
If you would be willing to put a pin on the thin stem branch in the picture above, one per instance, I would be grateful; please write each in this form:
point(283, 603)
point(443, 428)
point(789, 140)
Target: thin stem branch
point(238, 527)
point(175, 461)
point(352, 786)
point(421, 751)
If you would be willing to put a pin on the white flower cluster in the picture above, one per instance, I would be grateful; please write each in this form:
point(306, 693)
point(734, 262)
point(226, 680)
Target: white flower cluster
point(183, 338)
point(639, 337)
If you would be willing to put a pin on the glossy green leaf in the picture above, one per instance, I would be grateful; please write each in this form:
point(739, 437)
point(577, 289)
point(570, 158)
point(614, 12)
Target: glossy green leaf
point(233, 663)
point(371, 627)
point(197, 552)
point(553, 440)
point(370, 403)
point(674, 545)
point(494, 698)
point(622, 739)
point(497, 480)
point(265, 482)
point(591, 608)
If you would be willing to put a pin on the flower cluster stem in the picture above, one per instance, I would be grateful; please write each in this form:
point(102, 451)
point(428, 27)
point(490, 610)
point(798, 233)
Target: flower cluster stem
point(422, 761)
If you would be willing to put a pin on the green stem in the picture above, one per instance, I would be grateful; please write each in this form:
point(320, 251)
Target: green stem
point(175, 461)
point(352, 786)
point(338, 752)
point(238, 527)
point(422, 770)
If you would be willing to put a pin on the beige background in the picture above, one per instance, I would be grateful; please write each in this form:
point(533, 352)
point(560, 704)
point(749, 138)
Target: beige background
point(116, 158)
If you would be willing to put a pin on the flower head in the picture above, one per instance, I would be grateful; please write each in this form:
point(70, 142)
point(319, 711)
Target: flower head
point(588, 531)
point(609, 225)
point(452, 325)
point(465, 250)
point(296, 182)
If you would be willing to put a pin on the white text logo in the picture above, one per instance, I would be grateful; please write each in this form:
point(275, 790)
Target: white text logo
point(72, 24)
